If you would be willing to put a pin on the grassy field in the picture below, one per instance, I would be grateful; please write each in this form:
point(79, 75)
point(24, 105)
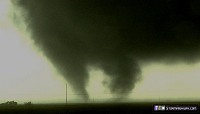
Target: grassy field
point(104, 108)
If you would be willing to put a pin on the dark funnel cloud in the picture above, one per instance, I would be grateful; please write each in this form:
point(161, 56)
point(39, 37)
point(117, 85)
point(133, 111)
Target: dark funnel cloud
point(114, 35)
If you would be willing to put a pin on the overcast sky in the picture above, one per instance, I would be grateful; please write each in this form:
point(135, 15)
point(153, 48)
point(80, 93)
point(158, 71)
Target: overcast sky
point(103, 50)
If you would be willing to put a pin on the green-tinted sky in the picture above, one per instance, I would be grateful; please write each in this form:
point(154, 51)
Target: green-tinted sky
point(101, 49)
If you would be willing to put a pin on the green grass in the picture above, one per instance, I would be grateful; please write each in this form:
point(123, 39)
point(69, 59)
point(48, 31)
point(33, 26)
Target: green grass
point(85, 107)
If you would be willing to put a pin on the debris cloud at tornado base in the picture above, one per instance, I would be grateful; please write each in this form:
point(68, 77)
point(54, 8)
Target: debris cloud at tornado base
point(114, 35)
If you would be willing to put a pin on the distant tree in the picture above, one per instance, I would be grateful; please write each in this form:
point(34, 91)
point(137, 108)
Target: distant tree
point(27, 103)
point(9, 103)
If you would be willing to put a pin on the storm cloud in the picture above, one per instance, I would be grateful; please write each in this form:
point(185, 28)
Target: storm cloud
point(113, 35)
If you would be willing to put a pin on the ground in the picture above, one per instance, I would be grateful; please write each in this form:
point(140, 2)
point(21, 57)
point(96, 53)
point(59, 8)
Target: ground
point(102, 108)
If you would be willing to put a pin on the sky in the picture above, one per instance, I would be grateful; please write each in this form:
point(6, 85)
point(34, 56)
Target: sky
point(103, 51)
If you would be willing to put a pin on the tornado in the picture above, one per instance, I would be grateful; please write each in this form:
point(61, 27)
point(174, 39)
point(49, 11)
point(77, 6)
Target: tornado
point(115, 35)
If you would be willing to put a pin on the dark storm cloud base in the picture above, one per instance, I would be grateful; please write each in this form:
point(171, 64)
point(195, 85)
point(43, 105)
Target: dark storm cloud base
point(125, 108)
point(113, 35)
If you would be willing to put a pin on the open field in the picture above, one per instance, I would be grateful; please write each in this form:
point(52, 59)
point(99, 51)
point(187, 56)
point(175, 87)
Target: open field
point(103, 108)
